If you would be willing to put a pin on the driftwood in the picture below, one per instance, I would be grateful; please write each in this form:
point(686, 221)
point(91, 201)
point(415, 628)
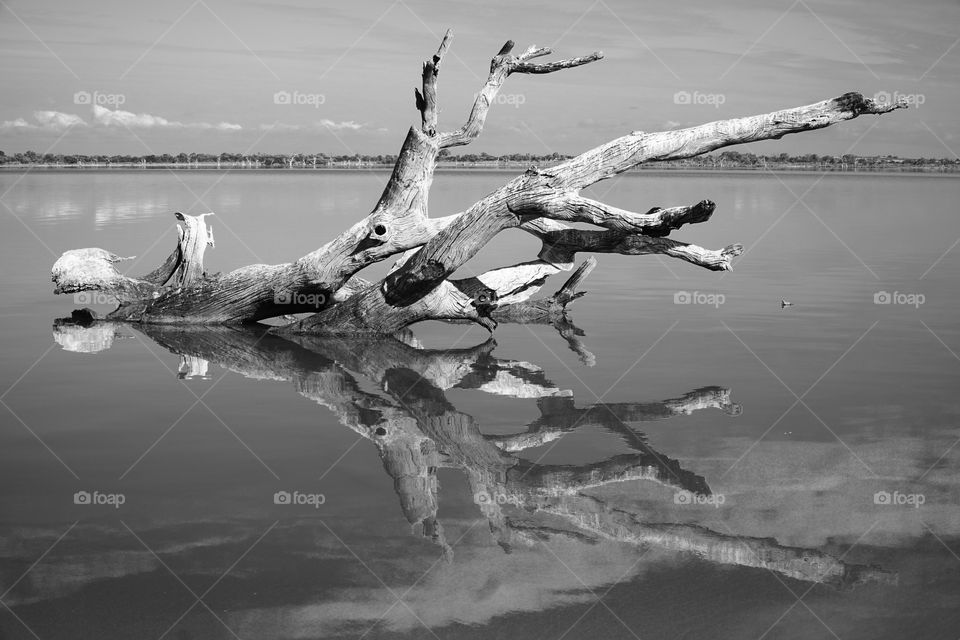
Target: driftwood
point(541, 201)
point(417, 431)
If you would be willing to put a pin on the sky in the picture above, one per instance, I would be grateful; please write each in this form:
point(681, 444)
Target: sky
point(301, 76)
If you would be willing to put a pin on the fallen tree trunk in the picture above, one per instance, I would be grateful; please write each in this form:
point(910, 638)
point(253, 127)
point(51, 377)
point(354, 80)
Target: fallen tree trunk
point(541, 202)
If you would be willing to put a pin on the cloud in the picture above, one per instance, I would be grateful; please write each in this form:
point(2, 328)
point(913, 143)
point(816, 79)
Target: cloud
point(320, 126)
point(45, 120)
point(280, 127)
point(57, 119)
point(346, 124)
point(19, 123)
point(130, 120)
point(109, 118)
point(105, 118)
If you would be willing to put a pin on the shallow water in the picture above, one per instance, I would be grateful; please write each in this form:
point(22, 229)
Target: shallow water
point(789, 424)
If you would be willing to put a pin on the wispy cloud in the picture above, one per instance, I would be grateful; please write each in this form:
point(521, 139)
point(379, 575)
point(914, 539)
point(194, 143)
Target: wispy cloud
point(110, 118)
point(319, 126)
point(105, 118)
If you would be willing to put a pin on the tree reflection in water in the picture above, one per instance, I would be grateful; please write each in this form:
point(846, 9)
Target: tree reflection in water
point(417, 431)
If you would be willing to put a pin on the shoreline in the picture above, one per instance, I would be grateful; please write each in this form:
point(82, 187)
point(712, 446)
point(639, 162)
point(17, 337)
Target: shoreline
point(465, 168)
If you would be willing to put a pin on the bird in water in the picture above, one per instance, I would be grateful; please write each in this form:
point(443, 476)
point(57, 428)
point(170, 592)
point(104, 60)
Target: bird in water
point(785, 303)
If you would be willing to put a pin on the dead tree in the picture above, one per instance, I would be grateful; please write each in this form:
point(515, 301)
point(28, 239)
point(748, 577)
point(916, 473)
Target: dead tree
point(541, 202)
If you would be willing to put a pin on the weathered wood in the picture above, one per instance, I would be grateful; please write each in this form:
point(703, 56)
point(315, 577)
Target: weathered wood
point(540, 201)
point(92, 269)
point(193, 239)
point(552, 309)
point(427, 101)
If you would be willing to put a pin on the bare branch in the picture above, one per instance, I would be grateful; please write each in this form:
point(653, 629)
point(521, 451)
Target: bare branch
point(427, 101)
point(655, 222)
point(559, 65)
point(502, 65)
point(628, 151)
point(560, 246)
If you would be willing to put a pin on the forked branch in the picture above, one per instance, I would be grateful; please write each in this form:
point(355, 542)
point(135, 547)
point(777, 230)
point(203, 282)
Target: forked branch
point(502, 65)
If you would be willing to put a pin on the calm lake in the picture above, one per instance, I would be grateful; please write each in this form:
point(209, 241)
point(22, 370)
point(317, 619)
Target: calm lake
point(690, 459)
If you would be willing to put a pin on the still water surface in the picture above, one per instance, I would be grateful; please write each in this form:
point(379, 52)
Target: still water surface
point(722, 470)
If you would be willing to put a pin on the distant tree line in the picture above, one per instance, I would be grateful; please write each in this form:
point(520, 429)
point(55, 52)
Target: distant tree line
point(726, 159)
point(738, 159)
point(258, 159)
point(230, 159)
